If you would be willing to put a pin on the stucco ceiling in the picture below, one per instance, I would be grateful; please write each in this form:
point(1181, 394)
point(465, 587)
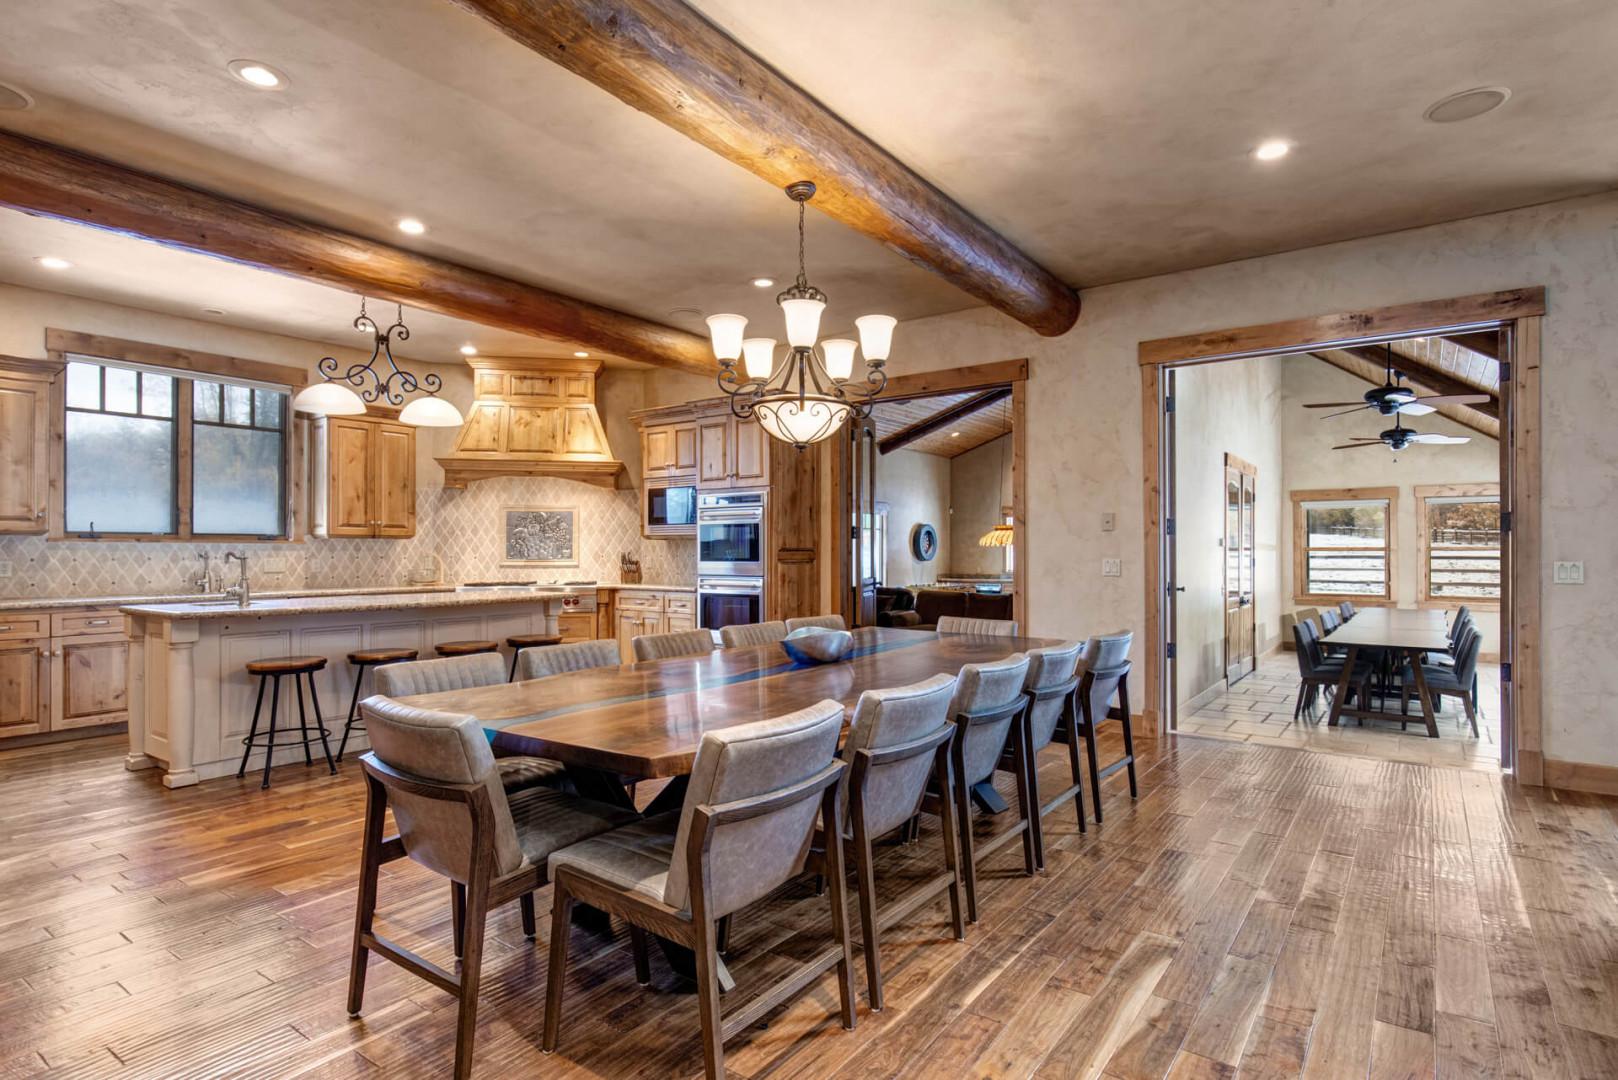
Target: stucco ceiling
point(1108, 140)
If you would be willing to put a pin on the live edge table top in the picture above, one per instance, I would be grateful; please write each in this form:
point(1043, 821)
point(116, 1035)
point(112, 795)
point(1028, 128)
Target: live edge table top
point(646, 719)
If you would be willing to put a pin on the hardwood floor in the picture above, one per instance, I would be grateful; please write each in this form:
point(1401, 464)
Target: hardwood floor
point(1260, 908)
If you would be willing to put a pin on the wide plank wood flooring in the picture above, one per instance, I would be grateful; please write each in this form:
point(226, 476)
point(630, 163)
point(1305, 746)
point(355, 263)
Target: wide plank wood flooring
point(1260, 910)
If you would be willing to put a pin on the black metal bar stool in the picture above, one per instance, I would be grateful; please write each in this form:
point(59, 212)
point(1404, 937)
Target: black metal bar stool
point(518, 642)
point(465, 648)
point(300, 668)
point(360, 661)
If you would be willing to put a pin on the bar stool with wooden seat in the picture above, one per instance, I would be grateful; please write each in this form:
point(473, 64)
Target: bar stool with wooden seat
point(518, 642)
point(470, 647)
point(271, 670)
point(360, 660)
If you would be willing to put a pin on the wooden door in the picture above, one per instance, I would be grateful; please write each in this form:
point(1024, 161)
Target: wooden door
point(861, 465)
point(23, 698)
point(24, 450)
point(348, 476)
point(657, 451)
point(683, 444)
point(714, 442)
point(393, 480)
point(90, 680)
point(1241, 614)
point(750, 465)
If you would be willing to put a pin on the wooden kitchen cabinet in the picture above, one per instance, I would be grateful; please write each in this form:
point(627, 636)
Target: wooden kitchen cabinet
point(573, 627)
point(641, 613)
point(732, 453)
point(24, 702)
point(24, 451)
point(714, 442)
point(89, 681)
point(370, 477)
point(669, 451)
point(636, 623)
point(63, 670)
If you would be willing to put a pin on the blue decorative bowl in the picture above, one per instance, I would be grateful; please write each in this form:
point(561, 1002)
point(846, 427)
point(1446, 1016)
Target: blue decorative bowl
point(817, 645)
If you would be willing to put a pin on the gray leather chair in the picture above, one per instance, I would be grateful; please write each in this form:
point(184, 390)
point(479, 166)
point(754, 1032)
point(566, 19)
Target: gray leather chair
point(825, 622)
point(561, 659)
point(961, 624)
point(744, 634)
point(669, 646)
point(517, 771)
point(1052, 691)
point(755, 794)
point(989, 710)
point(435, 771)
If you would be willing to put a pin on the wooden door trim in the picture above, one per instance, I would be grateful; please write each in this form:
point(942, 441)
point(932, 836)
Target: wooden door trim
point(1517, 314)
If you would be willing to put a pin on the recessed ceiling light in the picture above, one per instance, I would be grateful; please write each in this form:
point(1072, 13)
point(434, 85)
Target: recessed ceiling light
point(51, 262)
point(1272, 150)
point(214, 311)
point(1467, 104)
point(14, 98)
point(411, 225)
point(257, 74)
point(469, 350)
point(582, 355)
point(763, 282)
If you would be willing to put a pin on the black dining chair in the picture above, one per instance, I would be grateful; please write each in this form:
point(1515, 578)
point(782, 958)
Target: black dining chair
point(1314, 671)
point(1458, 681)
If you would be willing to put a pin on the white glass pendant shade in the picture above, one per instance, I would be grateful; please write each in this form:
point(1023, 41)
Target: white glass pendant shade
point(876, 335)
point(800, 423)
point(726, 331)
point(328, 399)
point(803, 321)
point(839, 357)
point(431, 412)
point(760, 353)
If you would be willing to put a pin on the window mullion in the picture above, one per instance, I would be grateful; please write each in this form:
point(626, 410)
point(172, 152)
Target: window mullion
point(183, 433)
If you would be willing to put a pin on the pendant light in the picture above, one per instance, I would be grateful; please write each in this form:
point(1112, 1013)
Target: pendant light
point(331, 397)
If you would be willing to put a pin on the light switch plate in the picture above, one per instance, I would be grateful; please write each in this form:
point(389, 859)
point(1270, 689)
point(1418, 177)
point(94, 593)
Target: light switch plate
point(1112, 568)
point(1109, 522)
point(5, 569)
point(273, 565)
point(1568, 573)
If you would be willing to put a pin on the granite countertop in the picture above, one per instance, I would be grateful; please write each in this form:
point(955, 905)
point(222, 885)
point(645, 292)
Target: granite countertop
point(36, 603)
point(650, 588)
point(330, 604)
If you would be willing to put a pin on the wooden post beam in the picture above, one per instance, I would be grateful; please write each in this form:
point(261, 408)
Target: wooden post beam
point(50, 181)
point(941, 419)
point(667, 60)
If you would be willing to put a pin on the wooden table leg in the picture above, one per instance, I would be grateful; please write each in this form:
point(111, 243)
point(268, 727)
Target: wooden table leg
point(1414, 657)
point(1342, 686)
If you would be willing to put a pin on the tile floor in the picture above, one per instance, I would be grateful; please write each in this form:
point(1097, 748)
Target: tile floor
point(1259, 710)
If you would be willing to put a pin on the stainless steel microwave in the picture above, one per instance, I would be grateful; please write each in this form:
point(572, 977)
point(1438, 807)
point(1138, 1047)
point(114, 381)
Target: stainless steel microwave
point(671, 508)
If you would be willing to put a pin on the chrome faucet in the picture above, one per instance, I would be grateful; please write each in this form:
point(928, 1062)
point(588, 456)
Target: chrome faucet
point(204, 584)
point(239, 591)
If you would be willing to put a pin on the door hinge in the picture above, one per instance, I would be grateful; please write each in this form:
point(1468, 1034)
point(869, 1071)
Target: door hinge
point(1505, 672)
point(1505, 371)
point(1505, 521)
point(1168, 526)
point(1168, 403)
point(1168, 651)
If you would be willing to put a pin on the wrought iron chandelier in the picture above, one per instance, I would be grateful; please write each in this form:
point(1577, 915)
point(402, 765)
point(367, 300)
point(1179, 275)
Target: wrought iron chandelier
point(331, 397)
point(812, 392)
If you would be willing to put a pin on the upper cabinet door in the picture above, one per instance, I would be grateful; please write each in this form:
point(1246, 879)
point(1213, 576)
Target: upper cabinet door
point(349, 453)
point(657, 451)
point(714, 448)
point(394, 480)
point(684, 445)
point(751, 456)
point(24, 450)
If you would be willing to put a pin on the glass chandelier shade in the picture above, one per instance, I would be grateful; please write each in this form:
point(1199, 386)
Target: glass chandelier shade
point(328, 399)
point(333, 396)
point(813, 392)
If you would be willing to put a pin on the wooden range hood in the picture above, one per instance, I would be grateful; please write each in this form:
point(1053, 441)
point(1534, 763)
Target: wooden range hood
point(532, 418)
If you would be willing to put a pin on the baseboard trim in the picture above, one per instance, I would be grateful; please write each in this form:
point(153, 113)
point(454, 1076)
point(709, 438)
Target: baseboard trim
point(1581, 776)
point(1197, 701)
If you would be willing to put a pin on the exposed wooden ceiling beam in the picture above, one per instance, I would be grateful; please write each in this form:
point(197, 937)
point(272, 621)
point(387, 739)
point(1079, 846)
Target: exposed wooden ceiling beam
point(922, 428)
point(1486, 342)
point(667, 60)
point(51, 181)
point(1440, 382)
point(1465, 415)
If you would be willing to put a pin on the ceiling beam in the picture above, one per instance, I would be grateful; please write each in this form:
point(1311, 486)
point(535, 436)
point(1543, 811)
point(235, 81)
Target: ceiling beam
point(45, 180)
point(1465, 415)
point(1441, 382)
point(1486, 342)
point(667, 60)
point(942, 419)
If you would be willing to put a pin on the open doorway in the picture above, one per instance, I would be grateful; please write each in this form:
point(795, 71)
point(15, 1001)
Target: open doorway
point(1359, 463)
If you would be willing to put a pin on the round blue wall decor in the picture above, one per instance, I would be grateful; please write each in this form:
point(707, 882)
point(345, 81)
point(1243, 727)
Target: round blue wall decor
point(924, 542)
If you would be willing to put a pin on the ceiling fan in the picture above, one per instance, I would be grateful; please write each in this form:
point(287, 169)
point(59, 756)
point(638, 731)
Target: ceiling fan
point(1392, 398)
point(1397, 437)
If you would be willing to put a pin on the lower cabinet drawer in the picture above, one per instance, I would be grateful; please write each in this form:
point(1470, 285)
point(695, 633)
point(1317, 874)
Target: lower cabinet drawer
point(640, 601)
point(679, 603)
point(100, 621)
point(23, 626)
point(576, 627)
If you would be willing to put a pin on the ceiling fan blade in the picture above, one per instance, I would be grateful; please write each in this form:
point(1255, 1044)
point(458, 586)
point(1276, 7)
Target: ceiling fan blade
point(1435, 439)
point(1358, 445)
point(1334, 404)
point(1345, 412)
point(1456, 399)
point(1416, 408)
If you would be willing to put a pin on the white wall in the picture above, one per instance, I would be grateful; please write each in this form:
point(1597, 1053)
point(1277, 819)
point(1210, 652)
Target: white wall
point(979, 490)
point(1218, 409)
point(1084, 437)
point(916, 488)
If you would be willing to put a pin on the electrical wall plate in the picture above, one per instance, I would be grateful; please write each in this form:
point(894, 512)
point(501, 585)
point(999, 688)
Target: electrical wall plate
point(1109, 522)
point(1112, 568)
point(1568, 573)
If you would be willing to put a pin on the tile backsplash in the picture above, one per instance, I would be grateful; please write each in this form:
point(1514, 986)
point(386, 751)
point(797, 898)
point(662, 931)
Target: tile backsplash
point(463, 528)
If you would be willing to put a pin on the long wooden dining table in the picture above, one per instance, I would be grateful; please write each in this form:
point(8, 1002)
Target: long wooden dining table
point(1407, 634)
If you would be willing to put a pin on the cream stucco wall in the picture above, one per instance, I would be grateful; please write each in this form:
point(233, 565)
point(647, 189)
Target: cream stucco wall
point(979, 487)
point(916, 488)
point(1084, 426)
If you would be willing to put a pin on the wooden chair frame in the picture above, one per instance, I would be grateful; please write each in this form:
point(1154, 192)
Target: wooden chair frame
point(1067, 725)
point(1087, 728)
point(470, 903)
point(699, 932)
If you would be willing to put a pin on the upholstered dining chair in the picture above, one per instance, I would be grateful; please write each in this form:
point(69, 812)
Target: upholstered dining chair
point(1346, 609)
point(435, 771)
point(1457, 680)
point(899, 740)
point(961, 624)
point(1315, 672)
point(1052, 692)
point(517, 771)
point(561, 659)
point(825, 622)
point(989, 710)
point(1103, 671)
point(743, 634)
point(672, 645)
point(755, 794)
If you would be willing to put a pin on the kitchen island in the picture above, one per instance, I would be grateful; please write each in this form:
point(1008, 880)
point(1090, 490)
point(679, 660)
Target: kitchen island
point(191, 699)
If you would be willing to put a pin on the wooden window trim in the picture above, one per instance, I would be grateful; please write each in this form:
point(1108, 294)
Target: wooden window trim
point(62, 343)
point(1300, 544)
point(1422, 493)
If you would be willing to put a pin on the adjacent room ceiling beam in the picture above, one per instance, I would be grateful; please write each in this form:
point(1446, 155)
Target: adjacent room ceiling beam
point(667, 60)
point(1486, 342)
point(1440, 382)
point(942, 419)
point(50, 181)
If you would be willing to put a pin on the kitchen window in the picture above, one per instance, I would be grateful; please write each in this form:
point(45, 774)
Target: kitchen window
point(156, 453)
point(1342, 543)
point(1459, 527)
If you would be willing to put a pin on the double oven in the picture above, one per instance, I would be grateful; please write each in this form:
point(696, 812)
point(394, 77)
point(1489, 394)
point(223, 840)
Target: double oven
point(730, 558)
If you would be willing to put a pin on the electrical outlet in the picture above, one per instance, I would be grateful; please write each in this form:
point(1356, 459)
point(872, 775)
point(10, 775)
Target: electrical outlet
point(1569, 573)
point(1112, 568)
point(5, 569)
point(273, 565)
point(1109, 522)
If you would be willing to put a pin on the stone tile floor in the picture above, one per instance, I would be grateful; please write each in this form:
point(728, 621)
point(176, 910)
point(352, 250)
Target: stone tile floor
point(1258, 709)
